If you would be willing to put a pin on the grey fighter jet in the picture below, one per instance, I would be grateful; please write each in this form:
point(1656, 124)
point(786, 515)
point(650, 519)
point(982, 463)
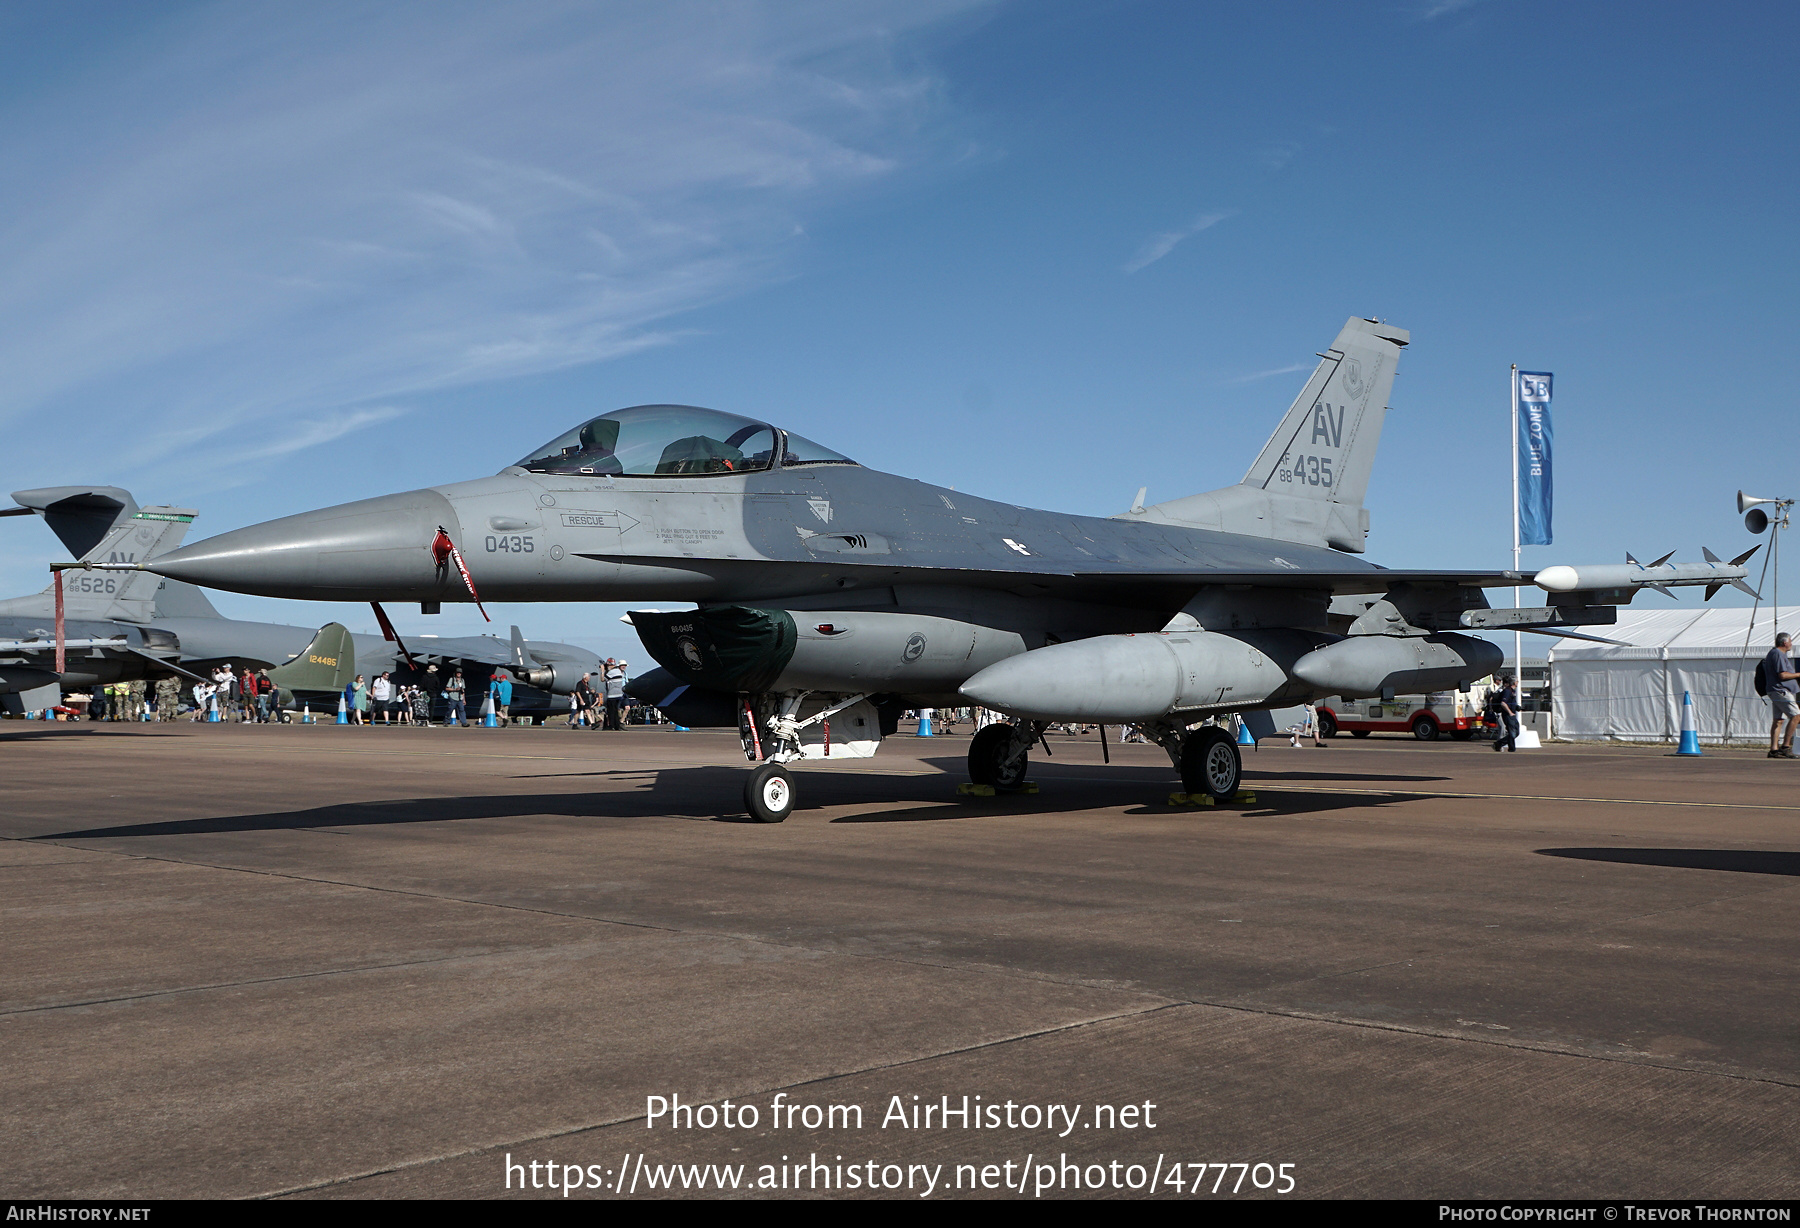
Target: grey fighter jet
point(120, 627)
point(830, 595)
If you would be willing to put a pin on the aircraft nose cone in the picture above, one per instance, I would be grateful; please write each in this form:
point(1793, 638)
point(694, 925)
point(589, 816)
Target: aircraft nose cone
point(370, 550)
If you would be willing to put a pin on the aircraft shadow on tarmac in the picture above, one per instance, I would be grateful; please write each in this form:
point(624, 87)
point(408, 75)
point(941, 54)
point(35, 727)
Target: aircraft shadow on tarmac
point(1162, 773)
point(684, 793)
point(1342, 777)
point(713, 794)
point(52, 731)
point(1741, 861)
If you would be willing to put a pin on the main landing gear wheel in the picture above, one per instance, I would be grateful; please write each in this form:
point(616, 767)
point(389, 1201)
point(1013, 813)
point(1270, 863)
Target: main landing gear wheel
point(988, 759)
point(1462, 735)
point(1210, 763)
point(769, 794)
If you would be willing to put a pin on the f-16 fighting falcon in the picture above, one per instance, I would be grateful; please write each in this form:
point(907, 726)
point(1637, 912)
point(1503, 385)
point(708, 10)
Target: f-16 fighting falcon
point(831, 595)
point(123, 627)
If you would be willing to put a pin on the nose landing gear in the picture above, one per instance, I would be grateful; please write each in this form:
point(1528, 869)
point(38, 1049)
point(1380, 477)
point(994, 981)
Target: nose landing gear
point(769, 793)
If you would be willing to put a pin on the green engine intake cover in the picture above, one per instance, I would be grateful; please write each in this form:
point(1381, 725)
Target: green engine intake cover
point(721, 648)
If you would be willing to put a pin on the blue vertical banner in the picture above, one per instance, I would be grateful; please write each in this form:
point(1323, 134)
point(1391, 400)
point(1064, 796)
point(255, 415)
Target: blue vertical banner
point(1534, 458)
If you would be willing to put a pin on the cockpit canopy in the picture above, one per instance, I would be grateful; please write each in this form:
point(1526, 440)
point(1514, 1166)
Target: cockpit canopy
point(674, 440)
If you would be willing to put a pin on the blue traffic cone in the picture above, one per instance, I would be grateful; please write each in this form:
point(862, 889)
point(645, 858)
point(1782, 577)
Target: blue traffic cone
point(343, 711)
point(925, 723)
point(488, 719)
point(1690, 737)
point(212, 709)
point(1245, 737)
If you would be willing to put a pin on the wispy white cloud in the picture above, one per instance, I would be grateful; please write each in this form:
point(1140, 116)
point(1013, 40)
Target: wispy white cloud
point(1274, 371)
point(282, 220)
point(1433, 9)
point(1160, 245)
point(310, 433)
point(1277, 156)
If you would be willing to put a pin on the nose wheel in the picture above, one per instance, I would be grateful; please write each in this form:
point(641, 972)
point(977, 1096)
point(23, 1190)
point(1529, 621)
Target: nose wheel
point(769, 794)
point(1210, 763)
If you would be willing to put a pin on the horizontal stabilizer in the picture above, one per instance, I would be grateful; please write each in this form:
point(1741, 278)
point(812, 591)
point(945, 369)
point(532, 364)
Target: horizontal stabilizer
point(79, 515)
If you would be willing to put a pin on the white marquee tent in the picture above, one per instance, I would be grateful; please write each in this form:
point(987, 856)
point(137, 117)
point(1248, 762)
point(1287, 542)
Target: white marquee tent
point(1603, 693)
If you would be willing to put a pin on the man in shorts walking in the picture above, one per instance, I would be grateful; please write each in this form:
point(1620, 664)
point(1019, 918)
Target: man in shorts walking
point(1784, 697)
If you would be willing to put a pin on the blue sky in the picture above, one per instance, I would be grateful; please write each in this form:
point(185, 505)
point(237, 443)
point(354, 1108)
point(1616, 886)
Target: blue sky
point(265, 258)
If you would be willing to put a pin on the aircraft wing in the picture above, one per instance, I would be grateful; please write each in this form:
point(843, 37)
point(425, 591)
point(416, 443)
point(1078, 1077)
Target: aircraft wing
point(1362, 580)
point(43, 651)
point(1118, 584)
point(483, 649)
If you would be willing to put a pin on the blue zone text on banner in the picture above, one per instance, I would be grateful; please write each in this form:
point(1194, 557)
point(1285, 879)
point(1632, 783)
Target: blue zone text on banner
point(1534, 444)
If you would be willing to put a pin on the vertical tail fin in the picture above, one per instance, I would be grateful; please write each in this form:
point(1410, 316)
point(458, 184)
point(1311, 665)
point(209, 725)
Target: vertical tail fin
point(1325, 447)
point(126, 595)
point(1308, 483)
point(326, 666)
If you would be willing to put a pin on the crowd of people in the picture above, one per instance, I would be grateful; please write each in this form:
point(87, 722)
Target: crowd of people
point(599, 703)
point(247, 696)
point(397, 702)
point(251, 696)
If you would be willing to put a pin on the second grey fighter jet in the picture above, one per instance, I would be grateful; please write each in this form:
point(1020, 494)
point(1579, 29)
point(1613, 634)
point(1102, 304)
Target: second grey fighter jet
point(125, 627)
point(830, 594)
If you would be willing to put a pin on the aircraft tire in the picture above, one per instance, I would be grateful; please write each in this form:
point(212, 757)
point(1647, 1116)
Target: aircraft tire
point(769, 793)
point(987, 759)
point(1461, 735)
point(1210, 763)
point(1359, 733)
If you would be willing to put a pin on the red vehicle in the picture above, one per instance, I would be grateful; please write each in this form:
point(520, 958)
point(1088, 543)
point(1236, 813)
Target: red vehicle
point(1452, 714)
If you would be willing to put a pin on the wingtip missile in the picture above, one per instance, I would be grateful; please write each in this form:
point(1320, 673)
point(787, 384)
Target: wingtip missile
point(1661, 575)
